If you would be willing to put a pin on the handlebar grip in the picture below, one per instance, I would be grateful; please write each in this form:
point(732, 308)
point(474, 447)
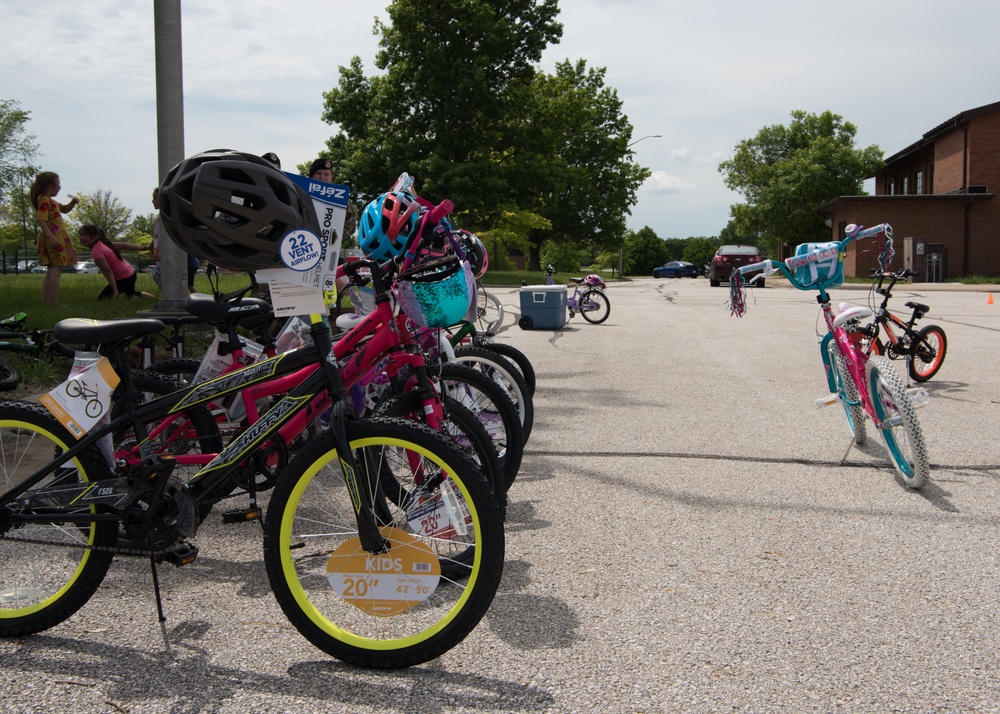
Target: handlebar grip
point(440, 211)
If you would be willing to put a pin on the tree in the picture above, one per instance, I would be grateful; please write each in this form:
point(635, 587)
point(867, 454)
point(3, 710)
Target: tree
point(103, 209)
point(700, 251)
point(17, 152)
point(643, 251)
point(784, 172)
point(571, 162)
point(444, 103)
point(143, 224)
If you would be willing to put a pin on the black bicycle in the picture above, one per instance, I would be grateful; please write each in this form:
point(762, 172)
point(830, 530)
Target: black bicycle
point(382, 543)
point(924, 349)
point(35, 345)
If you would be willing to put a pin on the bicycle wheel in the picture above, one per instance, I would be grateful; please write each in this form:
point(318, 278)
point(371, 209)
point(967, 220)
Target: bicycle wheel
point(462, 427)
point(595, 306)
point(900, 428)
point(494, 410)
point(929, 347)
point(396, 609)
point(503, 372)
point(516, 356)
point(10, 377)
point(182, 369)
point(850, 399)
point(47, 570)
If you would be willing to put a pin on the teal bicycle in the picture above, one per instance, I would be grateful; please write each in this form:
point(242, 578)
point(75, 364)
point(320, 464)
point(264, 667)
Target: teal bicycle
point(866, 387)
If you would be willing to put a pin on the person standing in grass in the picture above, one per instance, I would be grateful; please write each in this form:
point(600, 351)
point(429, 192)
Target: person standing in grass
point(119, 273)
point(55, 247)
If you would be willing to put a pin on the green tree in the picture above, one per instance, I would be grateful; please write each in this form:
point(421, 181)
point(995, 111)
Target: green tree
point(643, 250)
point(784, 172)
point(104, 209)
point(571, 162)
point(143, 225)
point(700, 250)
point(18, 150)
point(443, 105)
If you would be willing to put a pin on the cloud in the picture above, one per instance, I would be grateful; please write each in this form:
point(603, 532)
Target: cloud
point(662, 182)
point(685, 155)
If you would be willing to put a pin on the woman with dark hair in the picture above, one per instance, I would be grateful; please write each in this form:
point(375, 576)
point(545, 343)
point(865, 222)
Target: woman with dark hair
point(55, 247)
point(117, 271)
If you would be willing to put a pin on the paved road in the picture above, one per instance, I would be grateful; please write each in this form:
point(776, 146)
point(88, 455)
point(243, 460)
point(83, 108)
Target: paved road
point(682, 537)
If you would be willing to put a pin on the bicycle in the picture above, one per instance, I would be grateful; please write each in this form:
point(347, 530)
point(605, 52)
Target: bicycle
point(35, 345)
point(79, 389)
point(924, 349)
point(364, 501)
point(865, 386)
point(590, 301)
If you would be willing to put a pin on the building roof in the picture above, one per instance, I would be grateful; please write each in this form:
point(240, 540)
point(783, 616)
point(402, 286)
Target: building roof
point(934, 133)
point(835, 203)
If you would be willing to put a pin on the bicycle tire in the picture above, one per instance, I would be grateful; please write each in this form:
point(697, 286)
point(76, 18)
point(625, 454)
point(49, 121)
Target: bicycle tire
point(516, 356)
point(503, 372)
point(10, 377)
point(850, 398)
point(462, 427)
point(493, 408)
point(179, 368)
point(311, 548)
point(929, 348)
point(43, 584)
point(601, 312)
point(900, 428)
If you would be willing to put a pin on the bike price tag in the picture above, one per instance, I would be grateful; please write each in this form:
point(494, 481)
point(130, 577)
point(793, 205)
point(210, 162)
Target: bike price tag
point(387, 584)
point(81, 401)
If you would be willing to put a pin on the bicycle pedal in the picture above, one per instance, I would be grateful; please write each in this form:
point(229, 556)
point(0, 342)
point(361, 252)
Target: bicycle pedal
point(242, 515)
point(184, 553)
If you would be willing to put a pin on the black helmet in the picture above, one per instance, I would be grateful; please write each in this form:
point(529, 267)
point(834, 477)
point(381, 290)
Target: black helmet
point(232, 209)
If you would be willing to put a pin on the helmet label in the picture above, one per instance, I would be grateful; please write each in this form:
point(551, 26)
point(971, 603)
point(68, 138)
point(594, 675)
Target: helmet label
point(301, 250)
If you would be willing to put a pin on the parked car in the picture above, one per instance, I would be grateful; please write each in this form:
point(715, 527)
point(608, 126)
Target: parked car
point(36, 268)
point(728, 258)
point(677, 269)
point(87, 266)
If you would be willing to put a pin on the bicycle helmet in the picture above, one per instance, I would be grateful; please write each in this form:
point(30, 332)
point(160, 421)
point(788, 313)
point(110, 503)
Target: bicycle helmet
point(475, 252)
point(232, 209)
point(386, 225)
point(595, 280)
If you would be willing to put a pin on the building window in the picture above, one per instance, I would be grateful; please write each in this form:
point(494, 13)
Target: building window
point(890, 189)
point(906, 185)
point(919, 187)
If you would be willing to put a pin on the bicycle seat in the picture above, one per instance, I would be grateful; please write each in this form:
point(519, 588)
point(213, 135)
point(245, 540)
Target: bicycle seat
point(78, 331)
point(205, 307)
point(919, 308)
point(348, 320)
point(577, 280)
point(858, 312)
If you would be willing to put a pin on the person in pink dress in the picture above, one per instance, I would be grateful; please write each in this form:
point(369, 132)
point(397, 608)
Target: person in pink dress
point(119, 273)
point(55, 247)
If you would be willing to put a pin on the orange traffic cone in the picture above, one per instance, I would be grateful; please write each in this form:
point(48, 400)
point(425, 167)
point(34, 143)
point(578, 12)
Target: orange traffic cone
point(989, 300)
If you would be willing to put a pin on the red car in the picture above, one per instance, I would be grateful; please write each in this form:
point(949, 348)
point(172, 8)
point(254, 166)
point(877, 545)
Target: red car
point(728, 258)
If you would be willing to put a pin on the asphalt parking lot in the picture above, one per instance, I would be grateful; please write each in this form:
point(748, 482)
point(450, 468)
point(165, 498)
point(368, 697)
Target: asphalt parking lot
point(683, 537)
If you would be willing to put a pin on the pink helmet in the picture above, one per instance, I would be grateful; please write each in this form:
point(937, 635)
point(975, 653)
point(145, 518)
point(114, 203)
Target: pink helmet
point(595, 280)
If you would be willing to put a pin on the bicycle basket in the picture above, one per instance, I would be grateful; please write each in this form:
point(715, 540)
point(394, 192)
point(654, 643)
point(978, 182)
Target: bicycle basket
point(818, 264)
point(437, 293)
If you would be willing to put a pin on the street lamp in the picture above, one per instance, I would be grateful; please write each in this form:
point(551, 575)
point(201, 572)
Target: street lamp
point(621, 250)
point(648, 136)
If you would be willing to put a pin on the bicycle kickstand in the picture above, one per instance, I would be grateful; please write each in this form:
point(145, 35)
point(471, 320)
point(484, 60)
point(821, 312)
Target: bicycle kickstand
point(850, 445)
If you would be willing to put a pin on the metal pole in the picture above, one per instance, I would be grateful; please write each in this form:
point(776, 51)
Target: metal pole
point(170, 139)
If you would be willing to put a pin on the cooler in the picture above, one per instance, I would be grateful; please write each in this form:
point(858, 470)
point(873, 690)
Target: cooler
point(543, 307)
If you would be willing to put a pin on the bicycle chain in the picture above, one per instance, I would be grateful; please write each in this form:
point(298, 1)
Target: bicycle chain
point(98, 548)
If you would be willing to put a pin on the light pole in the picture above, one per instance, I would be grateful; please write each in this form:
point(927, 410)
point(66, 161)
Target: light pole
point(621, 250)
point(648, 136)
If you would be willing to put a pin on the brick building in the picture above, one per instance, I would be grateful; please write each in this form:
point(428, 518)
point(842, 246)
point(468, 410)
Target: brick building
point(937, 195)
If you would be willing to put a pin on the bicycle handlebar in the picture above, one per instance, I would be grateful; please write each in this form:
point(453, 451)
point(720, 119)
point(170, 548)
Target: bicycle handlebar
point(789, 265)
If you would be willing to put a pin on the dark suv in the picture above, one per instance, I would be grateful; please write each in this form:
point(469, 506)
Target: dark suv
point(728, 258)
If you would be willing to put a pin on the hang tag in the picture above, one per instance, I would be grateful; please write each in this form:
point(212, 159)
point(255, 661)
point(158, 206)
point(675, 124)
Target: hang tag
point(84, 399)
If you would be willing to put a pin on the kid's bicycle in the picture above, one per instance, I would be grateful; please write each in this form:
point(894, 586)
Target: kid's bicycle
point(865, 386)
point(34, 345)
point(924, 349)
point(588, 299)
point(358, 525)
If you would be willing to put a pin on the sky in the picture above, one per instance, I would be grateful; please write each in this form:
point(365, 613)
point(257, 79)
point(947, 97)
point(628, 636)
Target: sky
point(703, 75)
